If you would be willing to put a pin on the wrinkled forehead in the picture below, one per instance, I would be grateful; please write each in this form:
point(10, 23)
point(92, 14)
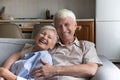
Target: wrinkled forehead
point(61, 21)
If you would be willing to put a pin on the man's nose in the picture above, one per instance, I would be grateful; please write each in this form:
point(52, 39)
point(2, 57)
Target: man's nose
point(63, 28)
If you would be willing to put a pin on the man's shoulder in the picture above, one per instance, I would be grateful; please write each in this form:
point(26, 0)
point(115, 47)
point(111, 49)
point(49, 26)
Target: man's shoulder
point(86, 43)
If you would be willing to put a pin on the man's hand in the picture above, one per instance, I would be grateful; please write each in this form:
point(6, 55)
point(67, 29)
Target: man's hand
point(46, 70)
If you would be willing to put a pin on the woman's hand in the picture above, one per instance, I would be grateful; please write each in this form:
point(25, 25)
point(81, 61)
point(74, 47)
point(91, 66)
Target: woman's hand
point(1, 78)
point(6, 74)
point(46, 70)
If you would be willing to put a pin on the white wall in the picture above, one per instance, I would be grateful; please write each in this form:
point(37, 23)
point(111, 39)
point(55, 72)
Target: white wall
point(108, 29)
point(36, 8)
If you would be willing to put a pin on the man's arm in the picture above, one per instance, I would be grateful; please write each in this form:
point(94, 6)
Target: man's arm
point(79, 70)
point(10, 60)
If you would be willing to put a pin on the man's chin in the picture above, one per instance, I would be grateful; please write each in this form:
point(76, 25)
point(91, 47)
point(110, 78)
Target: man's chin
point(65, 39)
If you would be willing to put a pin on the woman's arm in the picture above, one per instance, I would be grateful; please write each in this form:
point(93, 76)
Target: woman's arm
point(6, 74)
point(12, 59)
point(15, 56)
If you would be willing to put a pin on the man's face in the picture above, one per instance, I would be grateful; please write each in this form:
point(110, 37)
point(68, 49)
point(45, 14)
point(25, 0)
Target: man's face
point(66, 28)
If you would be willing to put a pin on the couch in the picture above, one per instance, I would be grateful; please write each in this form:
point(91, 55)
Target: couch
point(107, 72)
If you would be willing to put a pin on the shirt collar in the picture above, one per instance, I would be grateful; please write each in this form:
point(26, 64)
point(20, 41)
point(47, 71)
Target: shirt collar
point(76, 42)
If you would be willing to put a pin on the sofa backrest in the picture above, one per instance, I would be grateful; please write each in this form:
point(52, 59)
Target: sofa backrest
point(9, 46)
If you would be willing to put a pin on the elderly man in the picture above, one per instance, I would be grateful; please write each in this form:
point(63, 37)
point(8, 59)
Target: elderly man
point(73, 59)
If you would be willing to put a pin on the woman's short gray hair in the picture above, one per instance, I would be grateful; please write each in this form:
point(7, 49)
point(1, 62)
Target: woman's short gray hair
point(50, 27)
point(63, 13)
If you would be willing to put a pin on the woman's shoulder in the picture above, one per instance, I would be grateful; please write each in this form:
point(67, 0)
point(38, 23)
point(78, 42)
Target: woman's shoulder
point(27, 48)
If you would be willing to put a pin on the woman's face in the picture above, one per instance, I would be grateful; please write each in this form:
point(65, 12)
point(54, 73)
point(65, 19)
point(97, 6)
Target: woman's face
point(45, 39)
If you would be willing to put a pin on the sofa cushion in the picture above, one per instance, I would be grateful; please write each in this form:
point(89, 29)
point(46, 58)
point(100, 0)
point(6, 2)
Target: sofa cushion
point(9, 46)
point(108, 71)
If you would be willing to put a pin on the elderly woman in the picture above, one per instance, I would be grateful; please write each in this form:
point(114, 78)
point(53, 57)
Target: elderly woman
point(20, 70)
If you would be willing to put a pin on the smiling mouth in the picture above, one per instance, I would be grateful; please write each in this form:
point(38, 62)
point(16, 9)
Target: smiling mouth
point(42, 41)
point(65, 34)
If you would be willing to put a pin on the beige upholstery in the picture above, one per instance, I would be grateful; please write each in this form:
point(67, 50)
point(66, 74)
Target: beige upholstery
point(37, 27)
point(8, 30)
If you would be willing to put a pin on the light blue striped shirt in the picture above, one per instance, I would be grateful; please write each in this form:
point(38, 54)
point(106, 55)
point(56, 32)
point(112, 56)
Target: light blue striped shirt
point(23, 67)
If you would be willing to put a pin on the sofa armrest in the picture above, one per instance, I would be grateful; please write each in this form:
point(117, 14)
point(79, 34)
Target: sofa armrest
point(108, 71)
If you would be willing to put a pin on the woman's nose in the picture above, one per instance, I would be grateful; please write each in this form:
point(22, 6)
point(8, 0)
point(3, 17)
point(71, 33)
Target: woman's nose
point(45, 36)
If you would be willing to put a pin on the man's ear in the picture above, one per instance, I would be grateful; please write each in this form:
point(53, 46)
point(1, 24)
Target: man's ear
point(76, 26)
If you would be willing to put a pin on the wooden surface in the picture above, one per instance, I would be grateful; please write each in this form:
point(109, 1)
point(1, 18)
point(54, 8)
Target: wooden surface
point(26, 29)
point(85, 30)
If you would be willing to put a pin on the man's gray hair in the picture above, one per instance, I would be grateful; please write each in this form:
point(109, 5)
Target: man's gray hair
point(63, 13)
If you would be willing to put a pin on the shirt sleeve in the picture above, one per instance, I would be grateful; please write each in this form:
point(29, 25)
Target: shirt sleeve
point(91, 55)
